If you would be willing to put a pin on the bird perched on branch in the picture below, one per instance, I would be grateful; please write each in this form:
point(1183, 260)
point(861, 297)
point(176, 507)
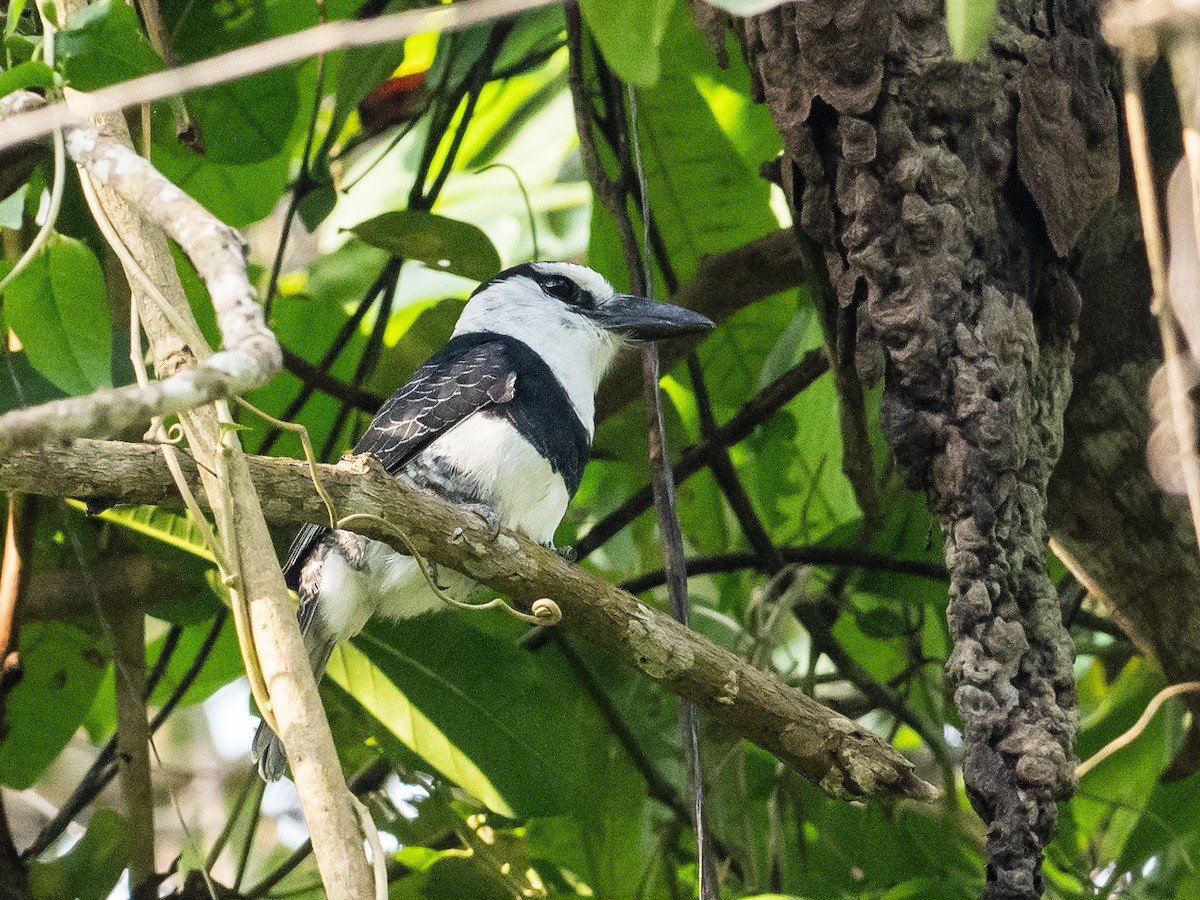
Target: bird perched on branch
point(500, 420)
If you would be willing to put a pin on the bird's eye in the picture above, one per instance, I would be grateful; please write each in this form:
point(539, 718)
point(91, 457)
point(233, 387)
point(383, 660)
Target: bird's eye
point(564, 289)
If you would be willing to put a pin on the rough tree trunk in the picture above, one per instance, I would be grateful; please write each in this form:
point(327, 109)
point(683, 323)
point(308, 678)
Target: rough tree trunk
point(944, 197)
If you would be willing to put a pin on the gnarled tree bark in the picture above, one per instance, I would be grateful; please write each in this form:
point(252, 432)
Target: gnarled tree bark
point(944, 197)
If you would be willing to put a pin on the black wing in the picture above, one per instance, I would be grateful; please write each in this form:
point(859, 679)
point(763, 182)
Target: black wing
point(472, 372)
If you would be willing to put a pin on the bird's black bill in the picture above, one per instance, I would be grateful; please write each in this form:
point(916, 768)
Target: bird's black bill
point(644, 320)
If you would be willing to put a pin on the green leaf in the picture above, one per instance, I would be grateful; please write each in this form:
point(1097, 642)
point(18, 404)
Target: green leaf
point(249, 120)
point(177, 529)
point(447, 245)
point(354, 672)
point(22, 47)
point(881, 623)
point(58, 309)
point(63, 668)
point(33, 73)
point(90, 869)
point(103, 43)
point(235, 194)
point(516, 717)
point(968, 24)
point(629, 33)
point(13, 16)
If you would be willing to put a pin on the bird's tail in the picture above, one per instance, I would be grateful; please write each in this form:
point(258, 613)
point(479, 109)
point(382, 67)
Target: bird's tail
point(267, 750)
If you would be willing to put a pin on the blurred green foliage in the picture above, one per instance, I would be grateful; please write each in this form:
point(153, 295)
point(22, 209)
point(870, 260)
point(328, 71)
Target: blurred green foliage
point(553, 770)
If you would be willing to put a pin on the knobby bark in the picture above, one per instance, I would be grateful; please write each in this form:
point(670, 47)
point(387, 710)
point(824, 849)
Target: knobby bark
point(945, 197)
point(840, 756)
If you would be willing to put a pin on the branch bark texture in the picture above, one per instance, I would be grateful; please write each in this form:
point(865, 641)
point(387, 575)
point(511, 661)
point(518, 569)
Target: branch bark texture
point(945, 196)
point(833, 752)
point(251, 355)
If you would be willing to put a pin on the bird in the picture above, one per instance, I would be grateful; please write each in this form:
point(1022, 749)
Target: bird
point(500, 420)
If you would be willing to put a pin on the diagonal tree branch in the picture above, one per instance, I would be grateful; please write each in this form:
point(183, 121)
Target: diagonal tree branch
point(833, 752)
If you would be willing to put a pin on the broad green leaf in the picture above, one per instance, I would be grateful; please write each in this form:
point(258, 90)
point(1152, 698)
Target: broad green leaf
point(867, 851)
point(355, 673)
point(90, 869)
point(235, 194)
point(249, 120)
point(517, 717)
point(968, 24)
point(103, 43)
point(177, 529)
point(58, 309)
point(605, 842)
point(1112, 796)
point(1169, 816)
point(630, 33)
point(22, 47)
point(453, 877)
point(33, 73)
point(447, 245)
point(63, 667)
point(245, 121)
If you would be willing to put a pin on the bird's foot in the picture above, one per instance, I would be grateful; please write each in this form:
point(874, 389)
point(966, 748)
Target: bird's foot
point(490, 517)
point(567, 552)
point(434, 577)
point(353, 547)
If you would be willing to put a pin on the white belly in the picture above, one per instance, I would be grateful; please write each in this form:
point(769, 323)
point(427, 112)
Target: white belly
point(518, 485)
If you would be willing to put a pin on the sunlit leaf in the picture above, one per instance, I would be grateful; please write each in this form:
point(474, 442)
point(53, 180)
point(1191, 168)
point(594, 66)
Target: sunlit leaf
point(447, 245)
point(58, 309)
point(176, 529)
point(62, 669)
point(354, 672)
point(516, 717)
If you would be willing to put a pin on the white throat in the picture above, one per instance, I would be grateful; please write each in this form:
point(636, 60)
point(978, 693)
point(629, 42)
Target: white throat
point(577, 352)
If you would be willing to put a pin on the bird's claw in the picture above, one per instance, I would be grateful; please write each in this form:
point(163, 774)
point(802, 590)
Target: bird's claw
point(567, 552)
point(433, 576)
point(490, 518)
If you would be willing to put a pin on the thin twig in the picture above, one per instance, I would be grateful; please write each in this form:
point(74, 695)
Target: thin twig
point(303, 180)
point(261, 57)
point(1135, 730)
point(812, 555)
point(757, 410)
